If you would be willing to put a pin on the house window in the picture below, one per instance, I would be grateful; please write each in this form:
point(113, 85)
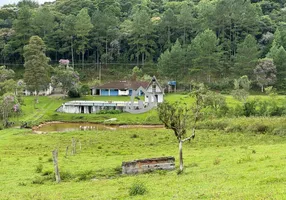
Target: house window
point(154, 88)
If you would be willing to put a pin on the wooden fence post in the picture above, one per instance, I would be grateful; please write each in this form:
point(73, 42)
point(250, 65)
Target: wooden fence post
point(73, 146)
point(55, 159)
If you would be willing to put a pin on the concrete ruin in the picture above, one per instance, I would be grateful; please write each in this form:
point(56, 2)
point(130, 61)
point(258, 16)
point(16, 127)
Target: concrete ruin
point(147, 165)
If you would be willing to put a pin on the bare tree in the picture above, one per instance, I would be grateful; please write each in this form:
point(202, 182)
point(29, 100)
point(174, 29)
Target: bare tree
point(180, 117)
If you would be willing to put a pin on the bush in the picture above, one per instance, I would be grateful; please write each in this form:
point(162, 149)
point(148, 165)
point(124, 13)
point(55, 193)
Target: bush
point(86, 175)
point(249, 108)
point(73, 93)
point(224, 85)
point(257, 128)
point(39, 168)
point(137, 188)
point(84, 89)
point(38, 180)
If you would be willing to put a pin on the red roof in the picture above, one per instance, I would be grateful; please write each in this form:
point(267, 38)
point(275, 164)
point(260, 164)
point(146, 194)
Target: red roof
point(123, 85)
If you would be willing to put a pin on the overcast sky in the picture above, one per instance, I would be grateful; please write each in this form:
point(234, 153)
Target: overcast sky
point(3, 2)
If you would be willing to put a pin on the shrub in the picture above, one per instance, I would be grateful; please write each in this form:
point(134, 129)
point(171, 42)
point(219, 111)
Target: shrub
point(257, 128)
point(86, 175)
point(84, 89)
point(137, 188)
point(38, 180)
point(249, 108)
point(118, 169)
point(39, 168)
point(66, 175)
point(73, 93)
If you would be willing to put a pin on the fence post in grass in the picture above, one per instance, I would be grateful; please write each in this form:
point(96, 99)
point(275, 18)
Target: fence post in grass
point(79, 146)
point(73, 146)
point(55, 159)
point(67, 150)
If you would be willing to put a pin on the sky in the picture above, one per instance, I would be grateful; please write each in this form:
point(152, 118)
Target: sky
point(3, 2)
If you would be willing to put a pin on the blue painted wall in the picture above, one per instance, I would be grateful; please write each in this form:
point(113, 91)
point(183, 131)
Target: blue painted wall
point(114, 92)
point(104, 92)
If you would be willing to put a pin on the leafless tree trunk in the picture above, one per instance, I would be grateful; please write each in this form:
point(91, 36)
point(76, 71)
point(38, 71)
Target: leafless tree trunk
point(73, 146)
point(55, 159)
point(181, 155)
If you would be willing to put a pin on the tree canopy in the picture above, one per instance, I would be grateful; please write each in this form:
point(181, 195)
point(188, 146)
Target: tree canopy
point(191, 38)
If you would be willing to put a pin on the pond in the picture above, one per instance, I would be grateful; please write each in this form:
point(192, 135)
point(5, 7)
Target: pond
point(67, 126)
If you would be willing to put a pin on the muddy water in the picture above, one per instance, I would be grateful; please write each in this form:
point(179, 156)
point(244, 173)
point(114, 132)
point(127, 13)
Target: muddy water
point(65, 127)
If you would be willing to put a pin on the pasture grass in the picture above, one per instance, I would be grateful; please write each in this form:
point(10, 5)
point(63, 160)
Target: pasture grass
point(218, 165)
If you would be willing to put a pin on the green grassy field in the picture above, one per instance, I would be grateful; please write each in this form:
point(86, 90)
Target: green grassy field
point(218, 165)
point(230, 158)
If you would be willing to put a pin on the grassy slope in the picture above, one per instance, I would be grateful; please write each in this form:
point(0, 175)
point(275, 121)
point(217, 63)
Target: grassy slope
point(45, 111)
point(218, 165)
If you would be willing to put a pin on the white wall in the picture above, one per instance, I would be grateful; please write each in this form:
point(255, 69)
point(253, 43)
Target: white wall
point(123, 92)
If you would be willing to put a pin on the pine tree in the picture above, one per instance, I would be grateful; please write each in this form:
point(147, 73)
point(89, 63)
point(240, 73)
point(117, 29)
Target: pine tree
point(83, 26)
point(205, 53)
point(171, 63)
point(279, 60)
point(246, 57)
point(36, 65)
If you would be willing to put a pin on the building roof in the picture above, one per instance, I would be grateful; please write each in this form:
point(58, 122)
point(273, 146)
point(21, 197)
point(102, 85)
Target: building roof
point(123, 85)
point(154, 79)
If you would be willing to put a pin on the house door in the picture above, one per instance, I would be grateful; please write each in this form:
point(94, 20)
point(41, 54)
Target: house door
point(89, 109)
point(156, 100)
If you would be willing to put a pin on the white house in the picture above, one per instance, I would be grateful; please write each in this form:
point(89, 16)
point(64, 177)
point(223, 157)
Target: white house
point(155, 88)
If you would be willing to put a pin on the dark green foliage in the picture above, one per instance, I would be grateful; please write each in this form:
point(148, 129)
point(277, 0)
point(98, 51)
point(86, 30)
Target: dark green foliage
point(219, 39)
point(36, 65)
point(84, 89)
point(74, 93)
point(137, 188)
point(249, 108)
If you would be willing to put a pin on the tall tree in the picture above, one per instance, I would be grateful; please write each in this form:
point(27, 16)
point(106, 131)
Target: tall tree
point(66, 78)
point(205, 53)
point(141, 35)
point(186, 22)
point(279, 60)
point(246, 57)
point(36, 65)
point(83, 26)
point(265, 73)
point(171, 63)
point(24, 30)
point(69, 31)
point(166, 28)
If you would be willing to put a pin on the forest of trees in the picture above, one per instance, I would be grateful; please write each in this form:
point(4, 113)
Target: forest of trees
point(203, 40)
